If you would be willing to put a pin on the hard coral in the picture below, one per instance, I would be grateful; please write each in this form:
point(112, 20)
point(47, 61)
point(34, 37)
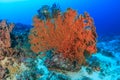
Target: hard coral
point(68, 34)
point(5, 30)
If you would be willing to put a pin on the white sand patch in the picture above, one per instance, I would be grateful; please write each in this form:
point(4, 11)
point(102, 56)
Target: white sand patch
point(78, 75)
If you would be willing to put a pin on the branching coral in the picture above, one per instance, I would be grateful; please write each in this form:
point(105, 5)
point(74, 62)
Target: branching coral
point(68, 34)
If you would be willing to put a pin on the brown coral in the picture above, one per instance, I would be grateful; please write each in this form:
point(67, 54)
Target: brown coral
point(68, 34)
point(5, 30)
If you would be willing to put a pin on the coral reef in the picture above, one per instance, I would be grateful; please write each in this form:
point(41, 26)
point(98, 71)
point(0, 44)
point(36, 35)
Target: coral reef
point(67, 35)
point(64, 42)
point(14, 49)
point(102, 66)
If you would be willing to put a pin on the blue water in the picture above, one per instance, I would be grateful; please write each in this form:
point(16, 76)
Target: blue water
point(106, 13)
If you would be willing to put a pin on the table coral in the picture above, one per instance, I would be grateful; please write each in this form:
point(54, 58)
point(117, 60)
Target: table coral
point(69, 34)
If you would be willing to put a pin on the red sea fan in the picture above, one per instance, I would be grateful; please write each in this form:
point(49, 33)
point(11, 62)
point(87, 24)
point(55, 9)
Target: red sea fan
point(68, 34)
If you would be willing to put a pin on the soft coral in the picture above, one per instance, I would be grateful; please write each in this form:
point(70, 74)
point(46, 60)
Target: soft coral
point(68, 34)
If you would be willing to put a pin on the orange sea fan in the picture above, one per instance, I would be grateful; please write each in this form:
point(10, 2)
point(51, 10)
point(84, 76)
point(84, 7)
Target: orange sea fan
point(68, 34)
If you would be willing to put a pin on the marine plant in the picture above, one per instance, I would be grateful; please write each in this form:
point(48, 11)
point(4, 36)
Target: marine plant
point(71, 35)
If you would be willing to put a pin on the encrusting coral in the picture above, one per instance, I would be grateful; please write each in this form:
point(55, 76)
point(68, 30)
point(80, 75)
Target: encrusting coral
point(67, 34)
